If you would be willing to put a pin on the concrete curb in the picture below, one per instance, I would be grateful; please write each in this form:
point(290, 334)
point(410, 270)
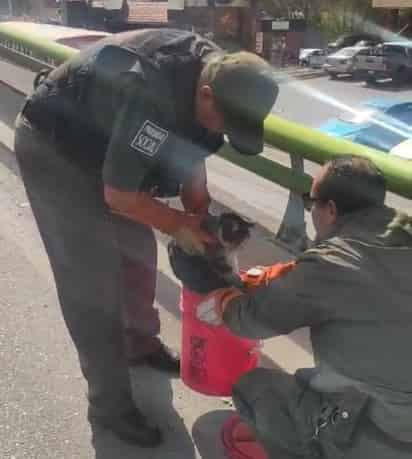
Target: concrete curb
point(300, 75)
point(13, 88)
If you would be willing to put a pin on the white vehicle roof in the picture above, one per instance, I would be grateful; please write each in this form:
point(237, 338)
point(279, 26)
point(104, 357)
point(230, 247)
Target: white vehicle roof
point(310, 50)
point(304, 52)
point(350, 51)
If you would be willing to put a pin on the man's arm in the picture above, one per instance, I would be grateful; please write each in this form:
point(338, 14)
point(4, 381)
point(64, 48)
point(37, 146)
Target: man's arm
point(303, 297)
point(194, 194)
point(143, 208)
point(141, 143)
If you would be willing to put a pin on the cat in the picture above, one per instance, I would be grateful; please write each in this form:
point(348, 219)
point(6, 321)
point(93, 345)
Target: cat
point(231, 231)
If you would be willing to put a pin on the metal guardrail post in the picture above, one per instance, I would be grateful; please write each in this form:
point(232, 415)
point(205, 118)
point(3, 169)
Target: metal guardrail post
point(320, 148)
point(292, 230)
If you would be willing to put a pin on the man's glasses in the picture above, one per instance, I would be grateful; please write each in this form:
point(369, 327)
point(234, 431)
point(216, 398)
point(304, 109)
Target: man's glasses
point(309, 201)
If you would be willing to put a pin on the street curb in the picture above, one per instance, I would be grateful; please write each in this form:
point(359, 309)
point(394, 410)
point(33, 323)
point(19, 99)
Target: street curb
point(309, 75)
point(13, 88)
point(299, 76)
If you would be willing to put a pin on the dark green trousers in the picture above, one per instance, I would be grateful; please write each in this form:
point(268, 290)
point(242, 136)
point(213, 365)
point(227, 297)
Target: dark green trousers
point(292, 421)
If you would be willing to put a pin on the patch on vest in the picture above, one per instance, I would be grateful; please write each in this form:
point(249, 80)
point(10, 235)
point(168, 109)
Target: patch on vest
point(149, 138)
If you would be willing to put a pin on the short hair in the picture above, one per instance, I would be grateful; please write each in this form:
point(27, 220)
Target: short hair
point(352, 183)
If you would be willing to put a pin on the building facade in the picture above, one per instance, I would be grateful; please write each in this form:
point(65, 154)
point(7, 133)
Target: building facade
point(392, 4)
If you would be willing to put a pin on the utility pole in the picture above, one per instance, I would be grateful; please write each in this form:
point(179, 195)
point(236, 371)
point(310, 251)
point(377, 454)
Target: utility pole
point(10, 7)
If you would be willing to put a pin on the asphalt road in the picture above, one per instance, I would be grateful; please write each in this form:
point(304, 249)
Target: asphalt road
point(313, 101)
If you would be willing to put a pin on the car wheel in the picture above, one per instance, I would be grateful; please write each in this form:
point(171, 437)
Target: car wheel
point(400, 77)
point(371, 81)
point(333, 75)
point(356, 75)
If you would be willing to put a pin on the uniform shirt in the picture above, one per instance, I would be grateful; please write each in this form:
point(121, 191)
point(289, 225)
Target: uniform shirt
point(129, 102)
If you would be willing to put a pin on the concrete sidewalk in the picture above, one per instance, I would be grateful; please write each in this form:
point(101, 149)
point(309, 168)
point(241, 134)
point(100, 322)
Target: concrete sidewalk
point(298, 73)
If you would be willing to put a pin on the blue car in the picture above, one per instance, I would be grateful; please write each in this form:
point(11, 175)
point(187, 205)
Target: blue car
point(382, 124)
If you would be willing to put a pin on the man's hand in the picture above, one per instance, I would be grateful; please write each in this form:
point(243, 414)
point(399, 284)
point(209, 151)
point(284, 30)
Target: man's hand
point(191, 238)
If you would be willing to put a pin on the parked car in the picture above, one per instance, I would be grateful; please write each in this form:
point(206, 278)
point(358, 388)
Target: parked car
point(382, 124)
point(391, 60)
point(317, 59)
point(346, 41)
point(312, 57)
point(344, 61)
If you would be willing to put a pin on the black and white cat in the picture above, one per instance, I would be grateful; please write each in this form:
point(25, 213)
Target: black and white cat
point(231, 231)
point(218, 268)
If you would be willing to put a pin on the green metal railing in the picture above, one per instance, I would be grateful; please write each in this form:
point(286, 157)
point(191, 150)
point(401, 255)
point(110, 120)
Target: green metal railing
point(301, 142)
point(31, 51)
point(34, 53)
point(319, 148)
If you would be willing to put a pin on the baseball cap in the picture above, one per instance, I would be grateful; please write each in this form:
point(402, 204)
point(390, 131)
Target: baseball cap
point(245, 91)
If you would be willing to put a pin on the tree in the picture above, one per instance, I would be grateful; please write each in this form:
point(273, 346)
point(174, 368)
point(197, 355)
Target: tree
point(334, 16)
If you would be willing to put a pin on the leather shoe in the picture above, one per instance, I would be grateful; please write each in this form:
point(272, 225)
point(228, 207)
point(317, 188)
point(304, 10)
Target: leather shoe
point(131, 428)
point(163, 359)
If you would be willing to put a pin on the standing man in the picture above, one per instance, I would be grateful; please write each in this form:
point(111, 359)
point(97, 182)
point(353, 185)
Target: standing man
point(123, 123)
point(353, 288)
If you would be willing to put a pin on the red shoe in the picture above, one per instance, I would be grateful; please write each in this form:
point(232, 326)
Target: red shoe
point(239, 442)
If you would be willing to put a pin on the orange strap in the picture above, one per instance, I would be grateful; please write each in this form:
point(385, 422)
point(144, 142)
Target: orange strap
point(225, 299)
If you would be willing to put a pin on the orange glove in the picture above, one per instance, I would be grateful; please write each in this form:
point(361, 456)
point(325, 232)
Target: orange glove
point(212, 308)
point(262, 275)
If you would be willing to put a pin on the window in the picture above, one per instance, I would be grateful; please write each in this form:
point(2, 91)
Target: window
point(364, 52)
point(393, 50)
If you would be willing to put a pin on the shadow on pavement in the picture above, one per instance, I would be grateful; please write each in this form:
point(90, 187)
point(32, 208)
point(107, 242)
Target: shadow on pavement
point(154, 397)
point(266, 361)
point(206, 433)
point(8, 159)
point(11, 103)
point(388, 86)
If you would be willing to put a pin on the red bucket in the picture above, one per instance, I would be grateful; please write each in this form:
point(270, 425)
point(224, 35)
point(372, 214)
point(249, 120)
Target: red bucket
point(212, 358)
point(239, 442)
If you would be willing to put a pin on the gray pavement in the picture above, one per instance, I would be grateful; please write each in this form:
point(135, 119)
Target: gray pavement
point(313, 101)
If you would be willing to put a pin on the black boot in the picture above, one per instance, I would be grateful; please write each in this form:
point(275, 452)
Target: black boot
point(163, 359)
point(131, 428)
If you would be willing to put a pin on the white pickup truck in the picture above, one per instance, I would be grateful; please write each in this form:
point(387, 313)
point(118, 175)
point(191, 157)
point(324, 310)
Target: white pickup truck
point(391, 60)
